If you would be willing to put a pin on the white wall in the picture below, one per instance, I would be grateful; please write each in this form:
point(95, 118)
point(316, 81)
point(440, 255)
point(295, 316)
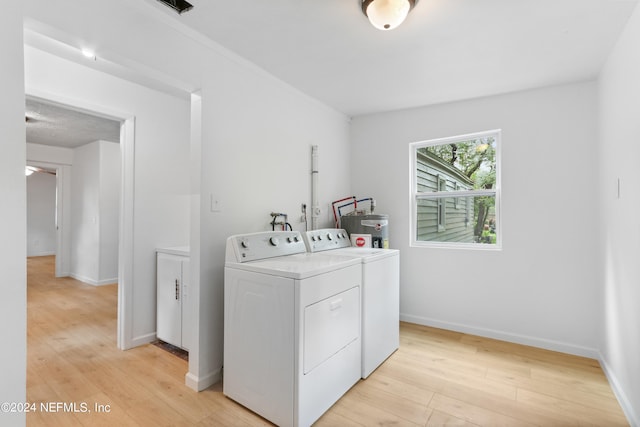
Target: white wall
point(95, 201)
point(619, 91)
point(110, 182)
point(255, 159)
point(48, 154)
point(161, 161)
point(13, 311)
point(85, 216)
point(41, 211)
point(542, 288)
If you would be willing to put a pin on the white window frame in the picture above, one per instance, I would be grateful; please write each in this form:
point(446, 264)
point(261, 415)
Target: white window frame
point(415, 195)
point(442, 205)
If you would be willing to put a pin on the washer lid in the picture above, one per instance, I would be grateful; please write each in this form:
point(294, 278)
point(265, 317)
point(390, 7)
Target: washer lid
point(365, 254)
point(299, 266)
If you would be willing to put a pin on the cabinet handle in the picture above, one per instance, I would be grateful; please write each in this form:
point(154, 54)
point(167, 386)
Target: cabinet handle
point(177, 290)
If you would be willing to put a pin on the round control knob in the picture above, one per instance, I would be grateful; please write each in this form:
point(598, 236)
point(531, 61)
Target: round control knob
point(296, 239)
point(244, 244)
point(274, 241)
point(329, 236)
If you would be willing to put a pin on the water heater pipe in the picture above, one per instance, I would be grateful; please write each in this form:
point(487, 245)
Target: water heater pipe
point(315, 208)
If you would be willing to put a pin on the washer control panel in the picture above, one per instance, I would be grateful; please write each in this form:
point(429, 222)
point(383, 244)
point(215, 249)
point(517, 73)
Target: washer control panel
point(263, 245)
point(326, 239)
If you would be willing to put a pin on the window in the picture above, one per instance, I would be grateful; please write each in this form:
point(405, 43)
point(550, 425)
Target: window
point(455, 191)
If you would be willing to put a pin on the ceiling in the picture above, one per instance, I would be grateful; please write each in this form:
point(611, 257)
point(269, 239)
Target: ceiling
point(55, 125)
point(446, 50)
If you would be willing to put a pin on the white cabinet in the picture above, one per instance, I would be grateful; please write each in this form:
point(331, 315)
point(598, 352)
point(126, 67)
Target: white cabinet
point(173, 314)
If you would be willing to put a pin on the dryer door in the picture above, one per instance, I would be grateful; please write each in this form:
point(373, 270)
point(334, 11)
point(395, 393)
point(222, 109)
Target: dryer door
point(329, 326)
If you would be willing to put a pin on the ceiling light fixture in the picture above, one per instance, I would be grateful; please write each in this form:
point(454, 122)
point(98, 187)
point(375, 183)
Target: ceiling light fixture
point(387, 14)
point(88, 53)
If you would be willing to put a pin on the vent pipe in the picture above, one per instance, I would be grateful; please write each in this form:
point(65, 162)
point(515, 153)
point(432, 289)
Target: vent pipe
point(315, 208)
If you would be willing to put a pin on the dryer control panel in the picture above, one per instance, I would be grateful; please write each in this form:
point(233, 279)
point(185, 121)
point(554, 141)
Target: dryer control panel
point(263, 245)
point(326, 239)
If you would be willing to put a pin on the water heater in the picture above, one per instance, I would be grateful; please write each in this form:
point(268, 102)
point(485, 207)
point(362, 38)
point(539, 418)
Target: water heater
point(376, 225)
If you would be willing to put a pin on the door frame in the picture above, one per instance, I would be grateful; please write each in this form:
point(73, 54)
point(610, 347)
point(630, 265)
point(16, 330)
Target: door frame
point(62, 212)
point(126, 221)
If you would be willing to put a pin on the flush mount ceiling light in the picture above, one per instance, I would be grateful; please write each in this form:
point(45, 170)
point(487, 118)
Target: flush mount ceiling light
point(387, 14)
point(87, 53)
point(177, 5)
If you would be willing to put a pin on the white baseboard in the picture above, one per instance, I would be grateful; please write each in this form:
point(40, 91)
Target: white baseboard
point(504, 336)
point(200, 383)
point(110, 281)
point(93, 282)
point(143, 339)
point(46, 253)
point(625, 402)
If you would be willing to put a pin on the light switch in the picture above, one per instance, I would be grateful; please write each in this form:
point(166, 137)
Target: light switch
point(216, 206)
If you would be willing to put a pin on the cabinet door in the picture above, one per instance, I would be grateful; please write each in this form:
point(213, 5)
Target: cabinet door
point(169, 315)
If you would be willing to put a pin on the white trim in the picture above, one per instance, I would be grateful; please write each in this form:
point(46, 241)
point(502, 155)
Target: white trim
point(126, 241)
point(197, 353)
point(63, 220)
point(143, 339)
point(451, 194)
point(200, 383)
point(92, 282)
point(552, 345)
point(47, 253)
point(618, 391)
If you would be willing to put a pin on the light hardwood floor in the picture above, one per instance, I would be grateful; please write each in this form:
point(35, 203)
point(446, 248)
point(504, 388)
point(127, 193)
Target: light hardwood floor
point(436, 378)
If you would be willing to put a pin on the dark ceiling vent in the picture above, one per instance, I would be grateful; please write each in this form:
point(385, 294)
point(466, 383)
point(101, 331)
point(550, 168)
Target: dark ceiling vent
point(177, 5)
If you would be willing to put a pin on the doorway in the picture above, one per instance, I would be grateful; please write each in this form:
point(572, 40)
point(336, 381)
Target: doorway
point(60, 134)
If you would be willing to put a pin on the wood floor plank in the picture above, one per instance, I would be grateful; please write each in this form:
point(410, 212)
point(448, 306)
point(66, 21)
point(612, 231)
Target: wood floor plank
point(571, 412)
point(447, 374)
point(410, 392)
point(436, 378)
point(356, 409)
point(439, 419)
point(406, 409)
point(474, 414)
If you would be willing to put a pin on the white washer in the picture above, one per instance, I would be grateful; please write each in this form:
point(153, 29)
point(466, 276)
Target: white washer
point(291, 327)
point(380, 293)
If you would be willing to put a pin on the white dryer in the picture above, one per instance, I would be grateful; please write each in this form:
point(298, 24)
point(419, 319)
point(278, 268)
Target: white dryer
point(291, 327)
point(380, 292)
